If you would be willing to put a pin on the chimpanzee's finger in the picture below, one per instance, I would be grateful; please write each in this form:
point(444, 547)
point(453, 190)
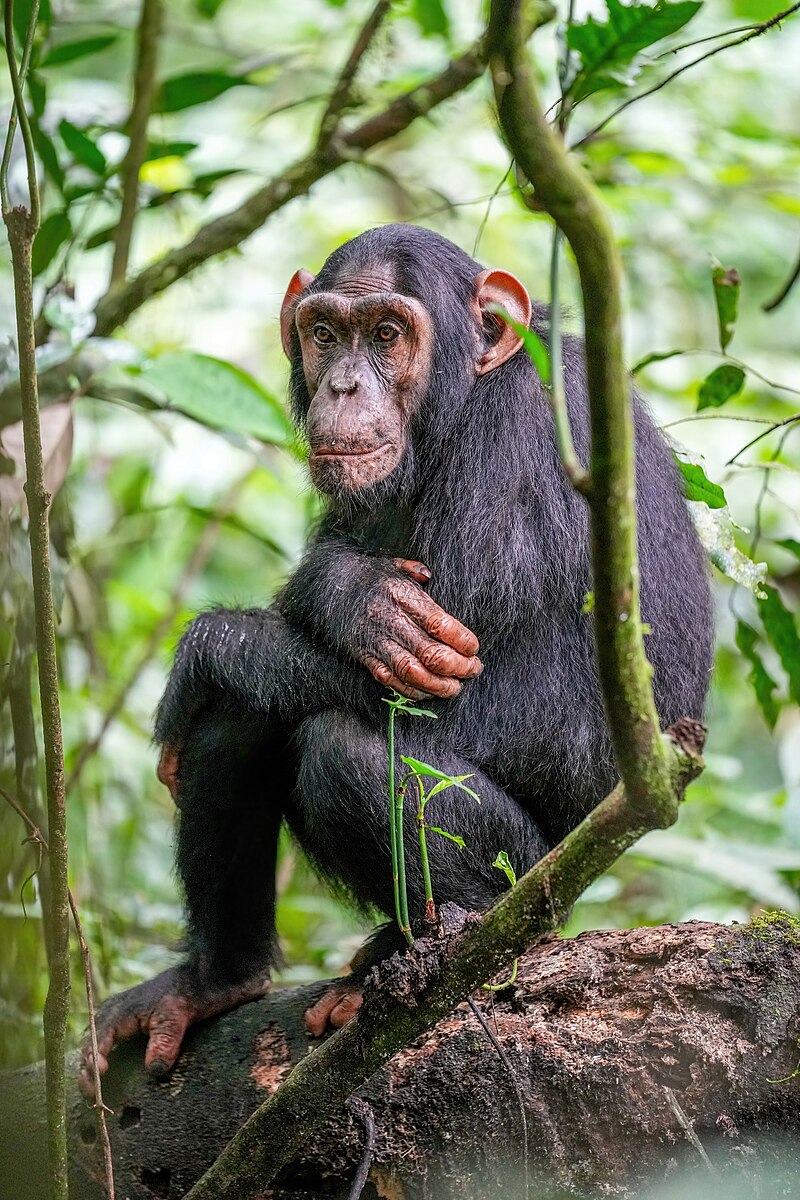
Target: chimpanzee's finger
point(110, 1030)
point(417, 570)
point(316, 1017)
point(167, 1027)
point(435, 621)
point(384, 674)
point(347, 1008)
point(410, 671)
point(438, 657)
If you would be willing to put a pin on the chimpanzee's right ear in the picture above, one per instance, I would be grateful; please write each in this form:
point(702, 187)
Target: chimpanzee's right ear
point(300, 280)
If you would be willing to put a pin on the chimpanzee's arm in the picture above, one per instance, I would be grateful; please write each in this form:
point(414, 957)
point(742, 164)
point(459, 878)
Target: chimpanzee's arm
point(372, 608)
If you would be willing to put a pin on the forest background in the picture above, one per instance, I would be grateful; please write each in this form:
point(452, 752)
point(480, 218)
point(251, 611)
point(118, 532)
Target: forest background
point(178, 483)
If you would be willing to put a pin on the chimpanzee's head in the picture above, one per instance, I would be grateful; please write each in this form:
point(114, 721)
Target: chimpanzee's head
point(393, 317)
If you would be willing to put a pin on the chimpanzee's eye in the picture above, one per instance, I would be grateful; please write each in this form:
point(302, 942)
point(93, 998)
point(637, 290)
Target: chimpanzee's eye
point(323, 336)
point(386, 333)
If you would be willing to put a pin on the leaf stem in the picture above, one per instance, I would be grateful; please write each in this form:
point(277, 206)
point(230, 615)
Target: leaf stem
point(430, 907)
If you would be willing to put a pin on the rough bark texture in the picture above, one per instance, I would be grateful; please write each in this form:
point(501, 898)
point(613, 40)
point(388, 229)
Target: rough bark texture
point(599, 1029)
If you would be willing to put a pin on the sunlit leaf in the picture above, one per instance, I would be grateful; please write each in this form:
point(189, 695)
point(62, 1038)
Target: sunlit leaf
point(425, 770)
point(721, 385)
point(503, 863)
point(218, 394)
point(761, 681)
point(536, 348)
point(715, 530)
point(780, 627)
point(658, 356)
point(196, 87)
point(608, 48)
point(697, 485)
point(69, 51)
point(81, 147)
point(451, 837)
point(726, 283)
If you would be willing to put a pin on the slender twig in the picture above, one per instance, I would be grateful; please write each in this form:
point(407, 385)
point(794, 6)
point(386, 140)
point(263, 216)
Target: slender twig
point(38, 838)
point(22, 225)
point(575, 473)
point(778, 299)
point(341, 96)
point(19, 113)
point(764, 433)
point(514, 1080)
point(228, 231)
point(736, 362)
point(365, 1115)
point(144, 89)
point(490, 201)
point(710, 37)
point(195, 564)
point(686, 1126)
point(790, 425)
point(12, 120)
point(755, 31)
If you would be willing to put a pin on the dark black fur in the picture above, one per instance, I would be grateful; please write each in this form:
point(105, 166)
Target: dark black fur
point(276, 719)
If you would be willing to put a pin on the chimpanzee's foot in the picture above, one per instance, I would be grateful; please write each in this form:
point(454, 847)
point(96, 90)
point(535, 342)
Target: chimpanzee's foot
point(338, 1005)
point(163, 1008)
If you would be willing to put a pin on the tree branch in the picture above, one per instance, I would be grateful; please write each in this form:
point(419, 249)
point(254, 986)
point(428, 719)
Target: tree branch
point(230, 230)
point(778, 299)
point(22, 225)
point(567, 194)
point(342, 95)
point(540, 902)
point(144, 87)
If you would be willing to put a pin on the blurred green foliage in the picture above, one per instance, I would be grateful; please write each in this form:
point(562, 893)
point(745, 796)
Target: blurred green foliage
point(185, 486)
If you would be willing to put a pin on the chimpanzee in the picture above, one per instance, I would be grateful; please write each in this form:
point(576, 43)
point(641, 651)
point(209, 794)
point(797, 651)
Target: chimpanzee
point(448, 522)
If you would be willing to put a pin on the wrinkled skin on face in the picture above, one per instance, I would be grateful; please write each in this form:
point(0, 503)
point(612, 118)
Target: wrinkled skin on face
point(366, 359)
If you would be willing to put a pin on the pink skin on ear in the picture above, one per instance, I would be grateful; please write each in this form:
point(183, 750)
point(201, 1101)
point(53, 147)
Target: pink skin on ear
point(297, 284)
point(505, 290)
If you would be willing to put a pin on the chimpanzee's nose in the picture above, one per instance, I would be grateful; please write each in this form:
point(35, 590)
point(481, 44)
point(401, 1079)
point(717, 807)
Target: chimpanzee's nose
point(344, 380)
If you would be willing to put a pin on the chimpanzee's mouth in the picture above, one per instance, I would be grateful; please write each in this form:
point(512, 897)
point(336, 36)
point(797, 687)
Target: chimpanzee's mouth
point(327, 452)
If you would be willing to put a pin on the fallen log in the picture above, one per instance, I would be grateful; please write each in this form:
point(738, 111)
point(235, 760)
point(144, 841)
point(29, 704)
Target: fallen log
point(635, 1056)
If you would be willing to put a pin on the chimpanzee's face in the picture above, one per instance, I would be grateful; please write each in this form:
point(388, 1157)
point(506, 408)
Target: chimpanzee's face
point(367, 352)
point(366, 359)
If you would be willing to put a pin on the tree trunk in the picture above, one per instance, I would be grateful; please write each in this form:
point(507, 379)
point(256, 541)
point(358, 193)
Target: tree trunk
point(639, 1056)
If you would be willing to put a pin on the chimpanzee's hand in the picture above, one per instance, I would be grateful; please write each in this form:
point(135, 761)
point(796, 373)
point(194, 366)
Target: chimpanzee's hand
point(410, 643)
point(163, 1008)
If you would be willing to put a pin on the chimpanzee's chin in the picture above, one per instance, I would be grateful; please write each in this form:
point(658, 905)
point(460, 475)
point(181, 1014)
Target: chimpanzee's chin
point(334, 474)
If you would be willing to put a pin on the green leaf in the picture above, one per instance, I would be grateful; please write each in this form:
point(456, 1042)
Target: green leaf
point(656, 356)
point(196, 87)
point(760, 680)
point(607, 49)
point(54, 231)
point(503, 863)
point(726, 284)
point(715, 530)
point(432, 18)
point(425, 770)
point(47, 153)
point(161, 149)
point(82, 148)
point(536, 348)
point(22, 12)
point(790, 544)
point(588, 603)
point(721, 385)
point(451, 837)
point(697, 485)
point(69, 51)
point(781, 629)
point(209, 8)
point(218, 394)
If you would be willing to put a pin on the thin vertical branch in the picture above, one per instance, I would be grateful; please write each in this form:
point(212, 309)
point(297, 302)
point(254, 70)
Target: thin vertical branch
point(342, 95)
point(22, 225)
point(144, 88)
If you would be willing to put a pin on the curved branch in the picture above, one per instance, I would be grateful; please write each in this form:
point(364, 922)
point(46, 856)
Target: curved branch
point(234, 227)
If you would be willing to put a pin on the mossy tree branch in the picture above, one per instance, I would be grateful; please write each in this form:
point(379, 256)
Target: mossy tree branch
point(444, 973)
point(565, 191)
point(22, 224)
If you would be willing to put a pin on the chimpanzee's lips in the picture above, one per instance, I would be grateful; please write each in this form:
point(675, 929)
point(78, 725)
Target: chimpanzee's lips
point(327, 452)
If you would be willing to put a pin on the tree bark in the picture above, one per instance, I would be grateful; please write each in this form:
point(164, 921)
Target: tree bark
point(639, 1055)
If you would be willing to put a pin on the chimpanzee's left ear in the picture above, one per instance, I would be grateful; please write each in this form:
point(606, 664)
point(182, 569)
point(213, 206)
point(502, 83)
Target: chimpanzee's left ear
point(300, 280)
point(505, 290)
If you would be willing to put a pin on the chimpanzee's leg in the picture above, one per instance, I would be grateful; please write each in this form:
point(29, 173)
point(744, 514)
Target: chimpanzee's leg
point(339, 813)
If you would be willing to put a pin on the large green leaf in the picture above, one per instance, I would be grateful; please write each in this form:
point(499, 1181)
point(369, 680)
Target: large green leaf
point(82, 148)
point(697, 485)
point(781, 629)
point(431, 16)
point(196, 87)
point(54, 231)
point(69, 51)
point(761, 681)
point(726, 282)
point(721, 385)
point(218, 394)
point(608, 48)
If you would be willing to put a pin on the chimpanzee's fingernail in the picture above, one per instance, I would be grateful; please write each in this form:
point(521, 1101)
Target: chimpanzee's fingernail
point(158, 1068)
